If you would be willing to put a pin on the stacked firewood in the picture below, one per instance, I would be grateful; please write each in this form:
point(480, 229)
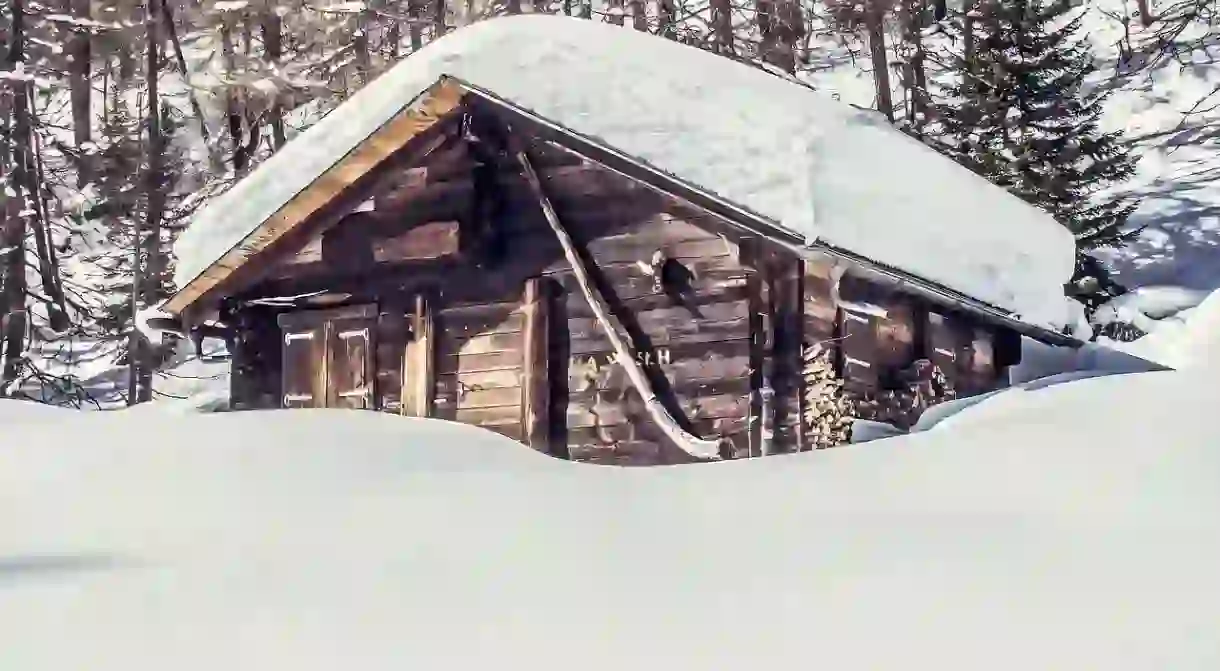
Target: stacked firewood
point(828, 409)
point(916, 388)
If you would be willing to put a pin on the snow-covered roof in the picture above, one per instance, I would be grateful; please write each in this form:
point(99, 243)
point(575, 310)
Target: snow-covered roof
point(813, 166)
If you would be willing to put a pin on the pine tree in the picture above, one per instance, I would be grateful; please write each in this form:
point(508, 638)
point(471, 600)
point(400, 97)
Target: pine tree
point(1021, 117)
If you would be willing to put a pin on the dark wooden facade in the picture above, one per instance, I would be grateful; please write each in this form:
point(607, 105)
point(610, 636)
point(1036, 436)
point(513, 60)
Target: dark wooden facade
point(437, 288)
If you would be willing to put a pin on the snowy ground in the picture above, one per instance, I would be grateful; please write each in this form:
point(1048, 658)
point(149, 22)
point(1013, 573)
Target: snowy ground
point(1077, 528)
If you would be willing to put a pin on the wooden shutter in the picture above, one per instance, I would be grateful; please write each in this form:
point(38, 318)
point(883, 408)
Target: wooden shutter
point(895, 335)
point(304, 367)
point(349, 365)
point(980, 375)
point(858, 349)
point(945, 347)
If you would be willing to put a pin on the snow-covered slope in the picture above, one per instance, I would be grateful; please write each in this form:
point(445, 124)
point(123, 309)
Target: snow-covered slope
point(811, 165)
point(1078, 532)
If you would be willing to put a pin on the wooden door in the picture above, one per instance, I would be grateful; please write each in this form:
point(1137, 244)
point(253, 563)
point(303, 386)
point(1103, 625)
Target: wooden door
point(328, 358)
point(349, 364)
point(304, 366)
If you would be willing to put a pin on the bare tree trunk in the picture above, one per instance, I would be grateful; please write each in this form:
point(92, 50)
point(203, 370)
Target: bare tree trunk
point(233, 108)
point(40, 225)
point(360, 45)
point(1145, 11)
point(639, 15)
point(874, 20)
point(172, 31)
point(148, 292)
point(916, 73)
point(667, 16)
point(393, 36)
point(273, 35)
point(722, 26)
point(781, 26)
point(440, 21)
point(968, 46)
point(80, 55)
point(13, 316)
point(617, 12)
point(415, 12)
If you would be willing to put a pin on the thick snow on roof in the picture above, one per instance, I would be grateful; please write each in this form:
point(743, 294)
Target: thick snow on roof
point(817, 167)
point(1081, 530)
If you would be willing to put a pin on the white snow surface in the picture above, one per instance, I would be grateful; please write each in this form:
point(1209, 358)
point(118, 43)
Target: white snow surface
point(1189, 339)
point(1077, 529)
point(812, 165)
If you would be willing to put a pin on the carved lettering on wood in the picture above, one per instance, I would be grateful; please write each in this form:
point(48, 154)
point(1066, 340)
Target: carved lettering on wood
point(660, 356)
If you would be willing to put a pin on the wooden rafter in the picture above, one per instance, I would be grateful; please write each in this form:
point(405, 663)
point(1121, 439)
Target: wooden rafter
point(693, 445)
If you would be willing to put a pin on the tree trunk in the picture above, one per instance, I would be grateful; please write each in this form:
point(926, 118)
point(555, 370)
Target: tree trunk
point(440, 21)
point(667, 17)
point(781, 26)
point(916, 73)
point(216, 160)
point(273, 34)
point(616, 12)
point(360, 45)
point(874, 19)
point(722, 27)
point(1145, 11)
point(13, 315)
point(40, 223)
point(639, 15)
point(233, 108)
point(80, 55)
point(149, 291)
point(415, 13)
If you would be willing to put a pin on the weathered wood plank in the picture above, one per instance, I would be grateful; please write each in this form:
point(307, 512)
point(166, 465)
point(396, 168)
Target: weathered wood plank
point(426, 241)
point(721, 360)
point(789, 382)
point(660, 323)
point(419, 374)
point(476, 363)
point(393, 333)
point(349, 379)
point(467, 395)
point(707, 332)
point(691, 305)
point(509, 415)
point(464, 345)
point(630, 251)
point(536, 398)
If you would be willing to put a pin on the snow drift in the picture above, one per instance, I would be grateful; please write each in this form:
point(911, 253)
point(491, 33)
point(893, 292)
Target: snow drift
point(1078, 532)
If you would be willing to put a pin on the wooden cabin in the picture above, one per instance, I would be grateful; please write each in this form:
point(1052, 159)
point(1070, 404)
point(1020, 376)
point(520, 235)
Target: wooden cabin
point(474, 262)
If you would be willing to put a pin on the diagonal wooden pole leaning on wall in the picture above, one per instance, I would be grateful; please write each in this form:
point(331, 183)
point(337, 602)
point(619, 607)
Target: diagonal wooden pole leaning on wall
point(692, 445)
